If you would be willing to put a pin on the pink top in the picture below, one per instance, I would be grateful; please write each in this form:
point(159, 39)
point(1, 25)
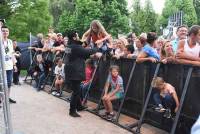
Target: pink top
point(168, 89)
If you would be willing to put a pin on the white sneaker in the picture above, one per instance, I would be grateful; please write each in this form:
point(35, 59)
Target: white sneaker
point(58, 94)
point(54, 93)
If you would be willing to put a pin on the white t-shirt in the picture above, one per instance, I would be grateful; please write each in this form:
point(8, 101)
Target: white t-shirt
point(60, 70)
point(9, 51)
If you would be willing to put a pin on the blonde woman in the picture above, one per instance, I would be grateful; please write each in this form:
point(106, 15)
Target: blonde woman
point(166, 97)
point(96, 35)
point(167, 53)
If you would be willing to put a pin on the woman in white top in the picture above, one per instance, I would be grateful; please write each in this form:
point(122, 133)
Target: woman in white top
point(189, 49)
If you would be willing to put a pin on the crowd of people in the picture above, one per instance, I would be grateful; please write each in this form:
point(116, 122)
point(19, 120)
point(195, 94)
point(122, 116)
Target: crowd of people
point(72, 60)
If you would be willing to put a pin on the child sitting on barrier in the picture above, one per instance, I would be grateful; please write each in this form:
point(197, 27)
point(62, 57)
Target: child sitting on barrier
point(166, 99)
point(60, 76)
point(89, 72)
point(117, 91)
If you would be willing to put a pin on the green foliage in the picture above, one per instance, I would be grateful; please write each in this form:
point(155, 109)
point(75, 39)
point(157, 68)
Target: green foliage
point(108, 13)
point(143, 19)
point(197, 9)
point(29, 16)
point(57, 7)
point(114, 20)
point(66, 21)
point(172, 6)
point(5, 9)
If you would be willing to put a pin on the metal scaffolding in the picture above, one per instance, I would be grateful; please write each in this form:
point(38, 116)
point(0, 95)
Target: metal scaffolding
point(5, 116)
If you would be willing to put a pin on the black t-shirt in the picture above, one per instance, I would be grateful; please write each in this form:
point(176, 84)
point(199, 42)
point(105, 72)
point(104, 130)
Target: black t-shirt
point(17, 49)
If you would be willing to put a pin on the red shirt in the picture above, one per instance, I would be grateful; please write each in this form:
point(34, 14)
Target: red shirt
point(88, 72)
point(95, 37)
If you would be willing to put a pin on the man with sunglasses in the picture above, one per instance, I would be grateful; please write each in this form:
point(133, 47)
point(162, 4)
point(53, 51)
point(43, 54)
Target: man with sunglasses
point(10, 61)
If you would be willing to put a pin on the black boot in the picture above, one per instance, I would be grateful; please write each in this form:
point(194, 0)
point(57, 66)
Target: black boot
point(81, 108)
point(74, 114)
point(11, 100)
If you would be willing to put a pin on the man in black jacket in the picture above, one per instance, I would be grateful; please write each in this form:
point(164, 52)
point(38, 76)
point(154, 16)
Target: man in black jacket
point(75, 69)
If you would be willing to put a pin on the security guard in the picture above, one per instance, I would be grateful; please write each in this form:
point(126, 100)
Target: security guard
point(75, 69)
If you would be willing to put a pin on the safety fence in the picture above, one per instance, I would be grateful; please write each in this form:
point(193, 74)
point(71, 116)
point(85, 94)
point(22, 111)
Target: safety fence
point(138, 101)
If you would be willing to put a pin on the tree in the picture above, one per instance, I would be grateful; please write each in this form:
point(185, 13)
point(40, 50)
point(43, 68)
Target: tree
point(80, 19)
point(29, 16)
point(67, 21)
point(150, 17)
point(5, 9)
point(137, 16)
point(190, 16)
point(169, 9)
point(173, 6)
point(197, 9)
point(114, 20)
point(108, 13)
point(57, 7)
point(143, 19)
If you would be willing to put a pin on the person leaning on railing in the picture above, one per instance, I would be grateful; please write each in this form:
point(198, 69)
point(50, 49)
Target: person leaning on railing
point(149, 52)
point(167, 53)
point(189, 49)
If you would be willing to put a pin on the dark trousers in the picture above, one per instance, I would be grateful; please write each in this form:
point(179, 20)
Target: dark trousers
point(75, 98)
point(167, 101)
point(16, 76)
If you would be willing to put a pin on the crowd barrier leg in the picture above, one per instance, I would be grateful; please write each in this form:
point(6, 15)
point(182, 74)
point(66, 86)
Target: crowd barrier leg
point(93, 75)
point(138, 124)
point(182, 100)
point(126, 90)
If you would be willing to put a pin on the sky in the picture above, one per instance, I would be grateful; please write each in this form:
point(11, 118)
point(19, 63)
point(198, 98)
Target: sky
point(157, 4)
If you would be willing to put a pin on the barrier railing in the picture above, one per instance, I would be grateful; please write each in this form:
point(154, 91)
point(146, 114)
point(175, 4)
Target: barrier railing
point(138, 100)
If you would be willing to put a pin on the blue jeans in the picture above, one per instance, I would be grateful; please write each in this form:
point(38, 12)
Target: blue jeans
point(40, 79)
point(84, 89)
point(167, 101)
point(9, 74)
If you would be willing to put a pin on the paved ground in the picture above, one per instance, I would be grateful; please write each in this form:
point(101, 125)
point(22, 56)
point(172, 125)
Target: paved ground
point(41, 113)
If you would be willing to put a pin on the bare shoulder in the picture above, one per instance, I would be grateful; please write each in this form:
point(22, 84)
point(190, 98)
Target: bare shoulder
point(170, 87)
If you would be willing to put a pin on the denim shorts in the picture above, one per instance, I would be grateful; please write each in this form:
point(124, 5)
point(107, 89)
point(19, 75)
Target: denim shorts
point(119, 95)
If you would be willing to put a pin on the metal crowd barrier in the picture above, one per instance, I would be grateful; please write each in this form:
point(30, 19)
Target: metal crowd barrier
point(138, 100)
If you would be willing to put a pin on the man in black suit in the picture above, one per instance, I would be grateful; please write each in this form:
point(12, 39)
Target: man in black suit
point(75, 69)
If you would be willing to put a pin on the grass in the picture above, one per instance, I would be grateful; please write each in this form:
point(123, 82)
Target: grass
point(23, 73)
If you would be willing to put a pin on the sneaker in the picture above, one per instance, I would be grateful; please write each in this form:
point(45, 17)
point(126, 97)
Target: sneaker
point(58, 94)
point(110, 116)
point(74, 114)
point(105, 115)
point(167, 114)
point(11, 100)
point(54, 93)
point(160, 108)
